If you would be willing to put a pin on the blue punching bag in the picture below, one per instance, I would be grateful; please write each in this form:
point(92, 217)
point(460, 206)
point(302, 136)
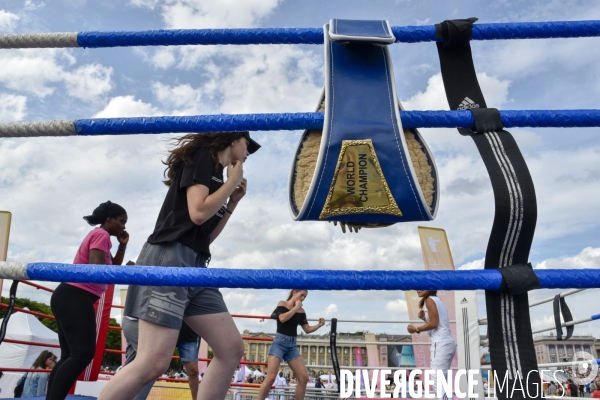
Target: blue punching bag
point(363, 169)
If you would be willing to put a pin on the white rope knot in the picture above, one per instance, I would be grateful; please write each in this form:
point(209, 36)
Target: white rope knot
point(13, 270)
point(38, 40)
point(35, 129)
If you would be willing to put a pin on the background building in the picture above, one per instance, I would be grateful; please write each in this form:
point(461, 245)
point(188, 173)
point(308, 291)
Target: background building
point(316, 351)
point(550, 350)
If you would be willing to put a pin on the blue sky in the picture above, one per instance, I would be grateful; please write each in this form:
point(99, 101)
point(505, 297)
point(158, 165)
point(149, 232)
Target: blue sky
point(49, 184)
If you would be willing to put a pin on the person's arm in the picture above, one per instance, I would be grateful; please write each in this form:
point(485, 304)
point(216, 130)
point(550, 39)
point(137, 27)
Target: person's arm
point(202, 205)
point(42, 383)
point(234, 199)
point(433, 318)
point(311, 328)
point(97, 257)
point(120, 254)
point(285, 317)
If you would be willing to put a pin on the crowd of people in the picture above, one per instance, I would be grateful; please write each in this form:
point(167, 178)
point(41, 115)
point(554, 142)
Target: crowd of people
point(572, 389)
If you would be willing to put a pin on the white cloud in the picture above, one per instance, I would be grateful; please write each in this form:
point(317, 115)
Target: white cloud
point(477, 264)
point(31, 6)
point(38, 71)
point(329, 311)
point(397, 306)
point(127, 106)
point(12, 107)
point(248, 79)
point(8, 21)
point(434, 96)
point(89, 81)
point(588, 258)
point(194, 14)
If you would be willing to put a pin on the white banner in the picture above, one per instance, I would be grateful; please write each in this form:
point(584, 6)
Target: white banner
point(5, 217)
point(468, 339)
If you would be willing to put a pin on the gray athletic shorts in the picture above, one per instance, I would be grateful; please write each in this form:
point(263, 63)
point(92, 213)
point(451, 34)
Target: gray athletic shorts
point(167, 305)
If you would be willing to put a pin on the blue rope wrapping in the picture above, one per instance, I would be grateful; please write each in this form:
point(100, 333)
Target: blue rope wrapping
point(199, 123)
point(309, 279)
point(296, 121)
point(404, 34)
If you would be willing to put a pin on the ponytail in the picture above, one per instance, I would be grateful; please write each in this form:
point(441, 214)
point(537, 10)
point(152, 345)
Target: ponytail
point(104, 211)
point(424, 299)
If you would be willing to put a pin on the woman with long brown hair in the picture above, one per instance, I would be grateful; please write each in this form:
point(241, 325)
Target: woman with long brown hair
point(289, 314)
point(437, 325)
point(36, 383)
point(196, 208)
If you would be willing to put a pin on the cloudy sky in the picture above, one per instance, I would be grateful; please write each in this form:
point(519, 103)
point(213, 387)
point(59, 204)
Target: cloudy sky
point(49, 184)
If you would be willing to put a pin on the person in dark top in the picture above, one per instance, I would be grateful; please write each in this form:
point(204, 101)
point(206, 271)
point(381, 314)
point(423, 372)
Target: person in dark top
point(197, 206)
point(574, 389)
point(289, 314)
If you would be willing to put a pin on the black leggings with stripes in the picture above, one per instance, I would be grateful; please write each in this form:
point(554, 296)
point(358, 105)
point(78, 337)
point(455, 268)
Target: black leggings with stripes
point(76, 322)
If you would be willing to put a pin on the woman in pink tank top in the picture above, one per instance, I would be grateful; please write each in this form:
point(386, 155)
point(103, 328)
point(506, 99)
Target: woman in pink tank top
point(73, 303)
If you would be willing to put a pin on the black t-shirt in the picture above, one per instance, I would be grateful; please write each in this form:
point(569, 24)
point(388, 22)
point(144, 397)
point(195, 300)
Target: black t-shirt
point(174, 223)
point(288, 328)
point(186, 334)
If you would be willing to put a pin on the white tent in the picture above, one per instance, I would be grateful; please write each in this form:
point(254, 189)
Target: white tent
point(257, 373)
point(28, 328)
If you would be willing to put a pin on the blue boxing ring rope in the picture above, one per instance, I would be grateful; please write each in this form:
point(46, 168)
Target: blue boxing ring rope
point(179, 37)
point(286, 121)
point(284, 279)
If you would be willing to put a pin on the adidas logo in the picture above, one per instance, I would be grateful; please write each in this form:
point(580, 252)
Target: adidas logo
point(467, 104)
point(464, 300)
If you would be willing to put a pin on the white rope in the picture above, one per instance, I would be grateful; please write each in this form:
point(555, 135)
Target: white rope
point(13, 270)
point(359, 342)
point(564, 325)
point(38, 40)
point(35, 129)
point(565, 294)
point(374, 321)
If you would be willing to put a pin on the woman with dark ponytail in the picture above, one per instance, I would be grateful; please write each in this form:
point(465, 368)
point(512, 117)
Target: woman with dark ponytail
point(73, 303)
point(437, 325)
point(197, 207)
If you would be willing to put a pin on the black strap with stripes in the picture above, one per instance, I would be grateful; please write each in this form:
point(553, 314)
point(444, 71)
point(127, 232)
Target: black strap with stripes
point(509, 327)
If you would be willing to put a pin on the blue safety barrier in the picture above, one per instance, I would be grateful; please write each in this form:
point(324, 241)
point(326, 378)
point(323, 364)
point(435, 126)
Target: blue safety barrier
point(404, 34)
point(309, 279)
point(313, 120)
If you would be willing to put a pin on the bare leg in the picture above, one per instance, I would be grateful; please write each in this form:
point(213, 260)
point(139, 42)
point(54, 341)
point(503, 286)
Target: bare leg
point(272, 371)
point(299, 369)
point(222, 336)
point(192, 373)
point(155, 349)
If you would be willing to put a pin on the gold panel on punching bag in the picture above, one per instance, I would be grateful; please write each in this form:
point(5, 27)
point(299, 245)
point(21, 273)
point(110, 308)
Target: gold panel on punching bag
point(359, 186)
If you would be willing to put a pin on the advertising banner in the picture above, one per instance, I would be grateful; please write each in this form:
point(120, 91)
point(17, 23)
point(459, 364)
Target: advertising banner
point(5, 217)
point(436, 256)
point(401, 356)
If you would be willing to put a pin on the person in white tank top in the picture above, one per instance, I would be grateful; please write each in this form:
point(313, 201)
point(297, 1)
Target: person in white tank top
point(437, 325)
